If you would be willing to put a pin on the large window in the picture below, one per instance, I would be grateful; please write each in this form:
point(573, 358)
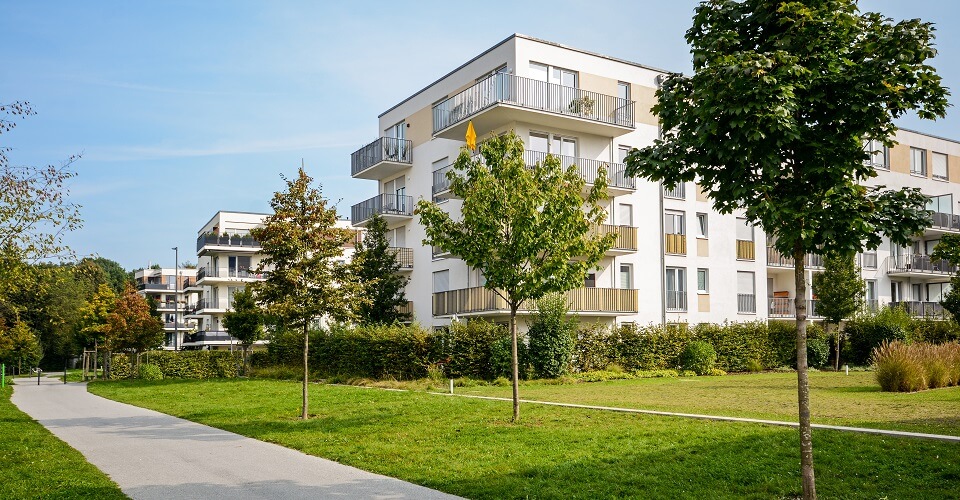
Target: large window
point(939, 166)
point(879, 154)
point(918, 161)
point(746, 293)
point(625, 214)
point(676, 288)
point(441, 281)
point(554, 144)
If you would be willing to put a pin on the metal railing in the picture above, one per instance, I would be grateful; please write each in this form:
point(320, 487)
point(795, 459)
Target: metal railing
point(921, 309)
point(746, 303)
point(383, 204)
point(204, 304)
point(678, 192)
point(581, 300)
point(949, 222)
point(776, 259)
point(785, 307)
point(676, 300)
point(404, 256)
point(626, 238)
point(675, 243)
point(226, 240)
point(746, 250)
point(167, 305)
point(156, 286)
point(380, 150)
point(916, 263)
point(532, 94)
point(208, 336)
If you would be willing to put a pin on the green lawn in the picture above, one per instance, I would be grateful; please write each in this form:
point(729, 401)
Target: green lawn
point(36, 464)
point(468, 447)
point(853, 400)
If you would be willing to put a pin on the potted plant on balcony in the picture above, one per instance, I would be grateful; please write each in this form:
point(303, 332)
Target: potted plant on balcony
point(582, 105)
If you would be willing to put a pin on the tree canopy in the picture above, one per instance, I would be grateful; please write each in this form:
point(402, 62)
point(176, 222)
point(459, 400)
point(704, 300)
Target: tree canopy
point(377, 268)
point(527, 229)
point(773, 121)
point(245, 320)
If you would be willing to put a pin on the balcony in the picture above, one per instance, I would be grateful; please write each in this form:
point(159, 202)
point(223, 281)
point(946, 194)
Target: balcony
point(214, 275)
point(502, 98)
point(205, 306)
point(917, 309)
point(746, 303)
point(618, 183)
point(404, 257)
point(675, 244)
point(919, 266)
point(226, 243)
point(481, 301)
point(156, 287)
point(626, 238)
point(679, 192)
point(177, 326)
point(776, 259)
point(944, 223)
point(746, 250)
point(168, 306)
point(381, 158)
point(784, 307)
point(208, 337)
point(393, 208)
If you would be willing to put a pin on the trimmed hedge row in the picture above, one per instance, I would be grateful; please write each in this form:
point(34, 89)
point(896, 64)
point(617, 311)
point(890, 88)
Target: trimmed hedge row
point(181, 364)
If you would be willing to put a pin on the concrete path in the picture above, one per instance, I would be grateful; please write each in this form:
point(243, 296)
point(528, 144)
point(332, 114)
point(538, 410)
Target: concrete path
point(153, 455)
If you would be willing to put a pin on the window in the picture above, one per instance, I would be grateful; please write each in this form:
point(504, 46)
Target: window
point(440, 181)
point(626, 276)
point(871, 295)
point(676, 278)
point(590, 281)
point(239, 266)
point(703, 281)
point(895, 295)
point(936, 291)
point(701, 225)
point(939, 166)
point(394, 191)
point(673, 222)
point(397, 237)
point(625, 214)
point(675, 241)
point(623, 90)
point(441, 281)
point(744, 230)
point(879, 154)
point(556, 145)
point(230, 291)
point(918, 161)
point(622, 152)
point(746, 293)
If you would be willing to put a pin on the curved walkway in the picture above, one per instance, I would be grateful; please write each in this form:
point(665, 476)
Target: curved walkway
point(154, 455)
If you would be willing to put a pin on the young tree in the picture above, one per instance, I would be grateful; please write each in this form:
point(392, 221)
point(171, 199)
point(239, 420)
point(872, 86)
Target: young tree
point(20, 345)
point(948, 249)
point(840, 292)
point(773, 122)
point(307, 279)
point(377, 269)
point(244, 321)
point(93, 326)
point(131, 325)
point(527, 229)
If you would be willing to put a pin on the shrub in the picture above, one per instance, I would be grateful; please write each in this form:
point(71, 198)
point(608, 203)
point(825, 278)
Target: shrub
point(699, 357)
point(653, 347)
point(935, 332)
point(754, 366)
point(782, 338)
point(471, 347)
point(120, 366)
point(593, 349)
point(259, 358)
point(715, 372)
point(551, 337)
point(868, 332)
point(736, 343)
point(183, 364)
point(149, 371)
point(278, 372)
point(372, 351)
point(285, 346)
point(501, 357)
point(818, 352)
point(898, 367)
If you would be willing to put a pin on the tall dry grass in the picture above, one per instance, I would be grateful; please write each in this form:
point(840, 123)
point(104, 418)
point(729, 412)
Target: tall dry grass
point(901, 367)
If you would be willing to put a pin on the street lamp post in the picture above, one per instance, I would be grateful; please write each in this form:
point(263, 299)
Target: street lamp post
point(176, 297)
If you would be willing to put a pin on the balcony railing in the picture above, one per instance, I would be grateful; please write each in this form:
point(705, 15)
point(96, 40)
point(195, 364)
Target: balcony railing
point(404, 256)
point(226, 240)
point(949, 222)
point(915, 263)
point(532, 94)
point(167, 305)
point(581, 300)
point(205, 304)
point(678, 192)
point(746, 250)
point(776, 259)
point(208, 336)
point(382, 204)
point(746, 303)
point(784, 307)
point(156, 286)
point(920, 309)
point(676, 301)
point(381, 150)
point(675, 244)
point(626, 236)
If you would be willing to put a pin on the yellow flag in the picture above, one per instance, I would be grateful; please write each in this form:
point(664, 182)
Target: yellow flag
point(471, 136)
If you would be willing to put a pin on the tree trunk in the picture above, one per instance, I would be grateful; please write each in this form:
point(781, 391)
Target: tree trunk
point(515, 362)
point(244, 360)
point(107, 364)
point(803, 383)
point(306, 371)
point(836, 358)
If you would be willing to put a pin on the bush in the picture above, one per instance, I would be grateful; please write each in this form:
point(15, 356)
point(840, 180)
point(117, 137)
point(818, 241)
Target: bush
point(935, 332)
point(471, 349)
point(551, 337)
point(699, 357)
point(285, 347)
point(501, 357)
point(736, 343)
point(372, 351)
point(654, 347)
point(149, 371)
point(754, 366)
point(782, 338)
point(818, 352)
point(868, 332)
point(183, 364)
point(593, 349)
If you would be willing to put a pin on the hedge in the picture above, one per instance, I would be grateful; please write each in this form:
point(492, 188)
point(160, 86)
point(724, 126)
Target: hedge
point(378, 351)
point(182, 364)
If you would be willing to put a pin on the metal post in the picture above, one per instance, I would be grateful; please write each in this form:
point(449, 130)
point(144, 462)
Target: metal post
point(3, 375)
point(38, 375)
point(64, 371)
point(176, 297)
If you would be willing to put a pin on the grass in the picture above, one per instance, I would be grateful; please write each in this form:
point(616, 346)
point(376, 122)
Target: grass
point(468, 447)
point(36, 464)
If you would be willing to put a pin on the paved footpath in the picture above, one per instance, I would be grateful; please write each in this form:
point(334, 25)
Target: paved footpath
point(153, 455)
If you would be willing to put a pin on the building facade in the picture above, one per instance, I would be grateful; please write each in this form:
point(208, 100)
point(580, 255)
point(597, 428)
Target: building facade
point(675, 259)
point(167, 287)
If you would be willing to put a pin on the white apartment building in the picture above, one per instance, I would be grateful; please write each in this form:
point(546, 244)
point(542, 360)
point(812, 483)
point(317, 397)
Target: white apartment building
point(168, 287)
point(675, 259)
point(228, 257)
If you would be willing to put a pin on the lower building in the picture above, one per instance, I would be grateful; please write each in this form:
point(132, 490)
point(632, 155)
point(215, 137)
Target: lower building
point(167, 289)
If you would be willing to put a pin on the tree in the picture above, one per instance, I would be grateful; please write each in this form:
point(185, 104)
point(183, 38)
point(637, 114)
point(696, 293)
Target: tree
point(131, 325)
point(377, 269)
point(552, 336)
point(93, 326)
point(948, 249)
point(244, 321)
point(114, 273)
point(527, 229)
point(307, 279)
point(20, 344)
point(773, 122)
point(840, 292)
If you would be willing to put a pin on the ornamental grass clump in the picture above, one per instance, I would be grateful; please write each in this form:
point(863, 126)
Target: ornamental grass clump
point(899, 367)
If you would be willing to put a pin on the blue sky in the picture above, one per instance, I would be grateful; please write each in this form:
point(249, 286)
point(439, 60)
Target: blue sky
point(181, 109)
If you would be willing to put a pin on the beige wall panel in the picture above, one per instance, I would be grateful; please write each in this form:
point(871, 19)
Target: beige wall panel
point(701, 196)
point(645, 98)
point(420, 126)
point(599, 84)
point(900, 159)
point(703, 303)
point(953, 168)
point(703, 247)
